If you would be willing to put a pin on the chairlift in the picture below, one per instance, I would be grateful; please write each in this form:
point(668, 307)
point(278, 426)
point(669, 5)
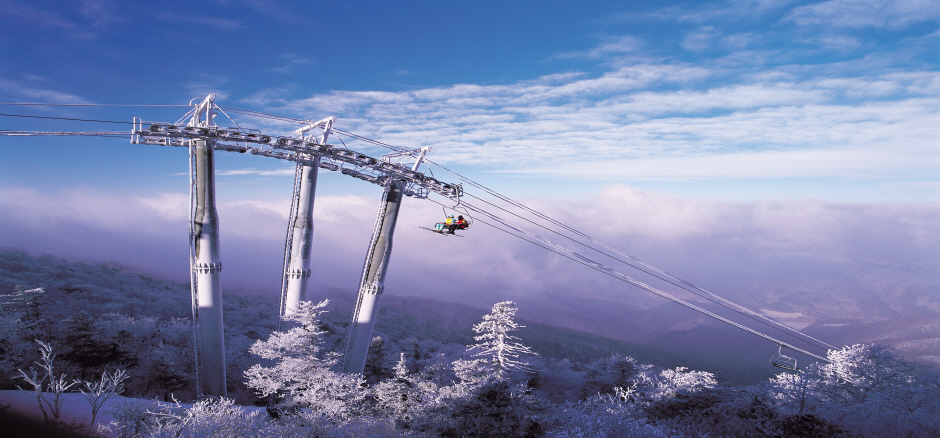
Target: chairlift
point(781, 360)
point(462, 222)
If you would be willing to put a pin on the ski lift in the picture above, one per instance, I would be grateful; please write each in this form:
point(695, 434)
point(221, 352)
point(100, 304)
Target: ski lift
point(781, 360)
point(451, 224)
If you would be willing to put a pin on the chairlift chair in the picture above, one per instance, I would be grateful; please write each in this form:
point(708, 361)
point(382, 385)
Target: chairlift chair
point(442, 227)
point(781, 360)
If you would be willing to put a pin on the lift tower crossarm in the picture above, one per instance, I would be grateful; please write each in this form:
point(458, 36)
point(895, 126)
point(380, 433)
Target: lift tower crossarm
point(203, 113)
point(388, 158)
point(326, 124)
point(366, 168)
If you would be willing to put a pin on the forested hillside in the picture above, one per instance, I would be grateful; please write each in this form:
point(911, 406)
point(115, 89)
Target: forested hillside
point(434, 369)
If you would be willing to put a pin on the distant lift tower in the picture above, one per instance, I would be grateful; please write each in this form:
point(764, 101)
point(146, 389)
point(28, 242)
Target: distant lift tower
point(300, 227)
point(205, 262)
point(373, 274)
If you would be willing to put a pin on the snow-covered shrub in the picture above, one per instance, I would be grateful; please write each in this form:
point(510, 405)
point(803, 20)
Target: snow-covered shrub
point(405, 396)
point(497, 408)
point(653, 385)
point(865, 389)
point(48, 385)
point(19, 326)
point(558, 381)
point(601, 416)
point(299, 373)
point(853, 373)
point(97, 392)
point(795, 393)
point(214, 417)
point(132, 418)
point(605, 374)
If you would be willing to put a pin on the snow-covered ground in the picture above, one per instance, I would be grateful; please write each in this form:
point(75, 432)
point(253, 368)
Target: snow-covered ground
point(75, 409)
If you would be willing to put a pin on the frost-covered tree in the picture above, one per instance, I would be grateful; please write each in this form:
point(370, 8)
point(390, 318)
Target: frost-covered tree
point(868, 390)
point(795, 392)
point(47, 386)
point(500, 352)
point(97, 392)
point(405, 397)
point(496, 408)
point(375, 369)
point(300, 372)
point(855, 372)
point(604, 374)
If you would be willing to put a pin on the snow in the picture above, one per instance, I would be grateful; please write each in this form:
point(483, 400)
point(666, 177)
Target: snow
point(75, 409)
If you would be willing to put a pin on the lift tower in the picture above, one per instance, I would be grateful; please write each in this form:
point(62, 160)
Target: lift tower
point(300, 228)
point(373, 275)
point(205, 261)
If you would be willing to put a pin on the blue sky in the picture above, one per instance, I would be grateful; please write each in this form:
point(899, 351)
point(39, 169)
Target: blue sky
point(814, 118)
point(732, 100)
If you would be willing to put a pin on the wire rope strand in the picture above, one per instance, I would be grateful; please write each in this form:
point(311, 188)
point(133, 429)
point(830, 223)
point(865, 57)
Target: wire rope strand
point(743, 310)
point(50, 133)
point(613, 273)
point(664, 276)
point(65, 118)
point(789, 331)
point(89, 104)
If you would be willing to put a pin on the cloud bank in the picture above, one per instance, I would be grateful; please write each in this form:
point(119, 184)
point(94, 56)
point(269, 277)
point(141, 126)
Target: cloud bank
point(799, 256)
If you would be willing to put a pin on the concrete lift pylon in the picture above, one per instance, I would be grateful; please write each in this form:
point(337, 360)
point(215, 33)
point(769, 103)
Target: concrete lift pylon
point(372, 283)
point(205, 260)
point(300, 227)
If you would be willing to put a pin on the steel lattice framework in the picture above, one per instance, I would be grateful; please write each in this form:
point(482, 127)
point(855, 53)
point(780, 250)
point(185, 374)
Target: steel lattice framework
point(355, 164)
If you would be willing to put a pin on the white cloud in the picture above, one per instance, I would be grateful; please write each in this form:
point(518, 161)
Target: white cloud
point(204, 84)
point(866, 13)
point(701, 39)
point(100, 12)
point(733, 249)
point(291, 62)
point(777, 123)
point(44, 18)
point(20, 92)
point(223, 24)
point(610, 47)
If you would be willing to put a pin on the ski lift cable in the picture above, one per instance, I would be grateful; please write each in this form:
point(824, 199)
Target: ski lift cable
point(86, 104)
point(738, 308)
point(261, 114)
point(622, 277)
point(232, 120)
point(369, 140)
point(189, 115)
point(741, 309)
point(65, 118)
point(474, 184)
point(610, 272)
point(116, 134)
point(333, 130)
point(647, 265)
point(671, 279)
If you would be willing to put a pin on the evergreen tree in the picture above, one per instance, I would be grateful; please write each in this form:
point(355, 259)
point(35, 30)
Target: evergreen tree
point(496, 345)
point(375, 369)
point(300, 374)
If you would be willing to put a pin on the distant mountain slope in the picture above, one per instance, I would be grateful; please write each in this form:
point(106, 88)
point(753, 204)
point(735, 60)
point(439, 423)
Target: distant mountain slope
point(102, 288)
point(916, 338)
point(667, 335)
